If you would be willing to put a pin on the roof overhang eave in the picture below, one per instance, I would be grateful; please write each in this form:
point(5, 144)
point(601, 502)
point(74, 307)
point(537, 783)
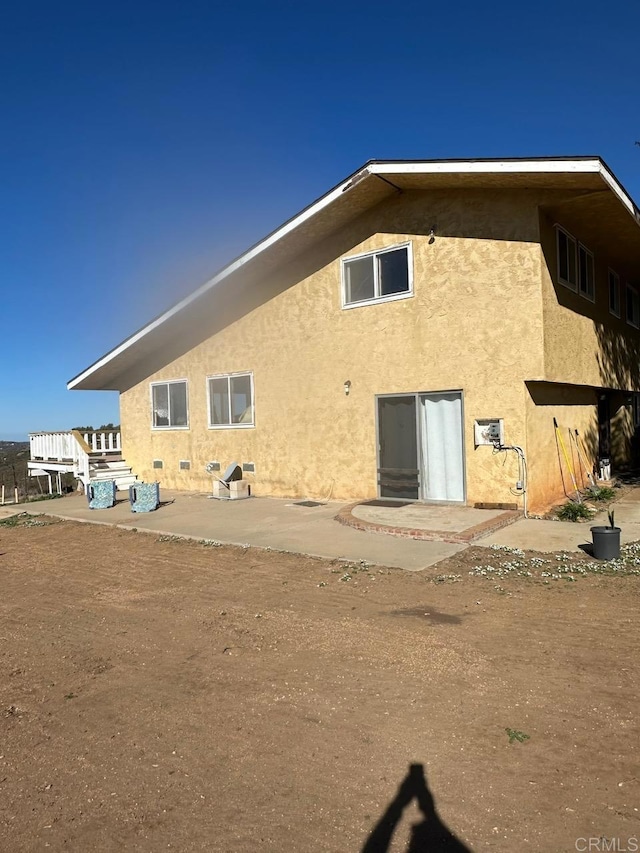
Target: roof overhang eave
point(89, 379)
point(80, 381)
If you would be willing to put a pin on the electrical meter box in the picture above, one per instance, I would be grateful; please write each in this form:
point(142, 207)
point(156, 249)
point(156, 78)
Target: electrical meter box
point(488, 431)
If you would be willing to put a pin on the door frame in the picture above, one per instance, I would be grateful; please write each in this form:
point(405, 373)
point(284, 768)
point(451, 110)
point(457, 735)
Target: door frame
point(421, 455)
point(603, 414)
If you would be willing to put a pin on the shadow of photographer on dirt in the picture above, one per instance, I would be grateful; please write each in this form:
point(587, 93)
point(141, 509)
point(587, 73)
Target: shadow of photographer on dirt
point(429, 836)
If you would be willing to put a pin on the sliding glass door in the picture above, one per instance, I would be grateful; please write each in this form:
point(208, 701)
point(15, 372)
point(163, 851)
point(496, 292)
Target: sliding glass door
point(441, 440)
point(420, 447)
point(398, 474)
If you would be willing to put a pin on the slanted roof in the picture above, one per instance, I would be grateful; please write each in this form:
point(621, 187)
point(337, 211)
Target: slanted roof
point(375, 181)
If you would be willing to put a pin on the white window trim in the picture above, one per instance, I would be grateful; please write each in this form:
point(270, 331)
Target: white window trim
point(563, 281)
point(394, 297)
point(626, 313)
point(248, 373)
point(610, 273)
point(152, 385)
point(588, 297)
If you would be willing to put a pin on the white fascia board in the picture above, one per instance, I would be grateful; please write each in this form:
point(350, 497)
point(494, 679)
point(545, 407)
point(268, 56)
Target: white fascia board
point(276, 235)
point(435, 167)
point(619, 192)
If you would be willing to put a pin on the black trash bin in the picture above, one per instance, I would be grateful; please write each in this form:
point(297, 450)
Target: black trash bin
point(606, 542)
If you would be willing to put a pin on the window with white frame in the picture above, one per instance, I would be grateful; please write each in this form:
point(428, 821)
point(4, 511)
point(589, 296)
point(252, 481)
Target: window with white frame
point(614, 293)
point(169, 405)
point(576, 268)
point(567, 258)
point(586, 274)
point(633, 306)
point(230, 400)
point(377, 276)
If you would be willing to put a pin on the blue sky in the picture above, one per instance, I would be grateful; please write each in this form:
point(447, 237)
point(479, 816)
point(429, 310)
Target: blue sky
point(142, 145)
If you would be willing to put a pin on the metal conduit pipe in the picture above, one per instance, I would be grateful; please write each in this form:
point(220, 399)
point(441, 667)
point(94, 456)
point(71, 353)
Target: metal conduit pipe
point(521, 485)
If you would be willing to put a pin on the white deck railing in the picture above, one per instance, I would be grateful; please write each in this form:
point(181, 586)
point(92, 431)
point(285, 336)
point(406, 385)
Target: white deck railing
point(107, 441)
point(58, 446)
point(64, 446)
point(72, 451)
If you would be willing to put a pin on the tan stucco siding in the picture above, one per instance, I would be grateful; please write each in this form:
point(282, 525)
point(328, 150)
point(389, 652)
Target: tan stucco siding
point(587, 350)
point(583, 342)
point(473, 324)
point(574, 408)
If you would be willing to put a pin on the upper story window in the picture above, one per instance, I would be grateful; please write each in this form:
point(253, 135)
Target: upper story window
point(586, 274)
point(576, 268)
point(169, 405)
point(614, 293)
point(567, 259)
point(377, 276)
point(230, 400)
point(633, 306)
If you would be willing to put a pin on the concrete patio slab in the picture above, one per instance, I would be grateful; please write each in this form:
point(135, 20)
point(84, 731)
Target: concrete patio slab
point(532, 534)
point(282, 525)
point(541, 535)
point(259, 522)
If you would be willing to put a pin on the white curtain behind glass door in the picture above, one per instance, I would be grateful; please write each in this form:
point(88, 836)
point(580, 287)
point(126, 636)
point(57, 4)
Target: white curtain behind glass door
point(442, 447)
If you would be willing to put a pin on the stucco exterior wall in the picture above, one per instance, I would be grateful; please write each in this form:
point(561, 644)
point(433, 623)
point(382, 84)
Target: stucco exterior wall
point(586, 350)
point(574, 408)
point(473, 324)
point(583, 342)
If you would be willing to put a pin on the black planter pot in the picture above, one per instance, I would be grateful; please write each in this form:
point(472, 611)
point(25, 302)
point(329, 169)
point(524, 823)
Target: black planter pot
point(606, 542)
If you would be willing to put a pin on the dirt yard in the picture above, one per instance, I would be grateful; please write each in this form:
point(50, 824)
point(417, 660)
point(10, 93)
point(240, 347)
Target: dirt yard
point(159, 694)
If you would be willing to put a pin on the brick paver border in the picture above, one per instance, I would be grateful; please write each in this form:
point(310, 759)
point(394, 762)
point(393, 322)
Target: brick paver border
point(462, 537)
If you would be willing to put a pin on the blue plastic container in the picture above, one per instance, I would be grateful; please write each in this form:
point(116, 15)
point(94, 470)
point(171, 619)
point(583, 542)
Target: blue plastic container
point(101, 494)
point(144, 497)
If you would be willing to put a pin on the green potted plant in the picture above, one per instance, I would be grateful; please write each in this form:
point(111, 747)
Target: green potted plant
point(606, 540)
